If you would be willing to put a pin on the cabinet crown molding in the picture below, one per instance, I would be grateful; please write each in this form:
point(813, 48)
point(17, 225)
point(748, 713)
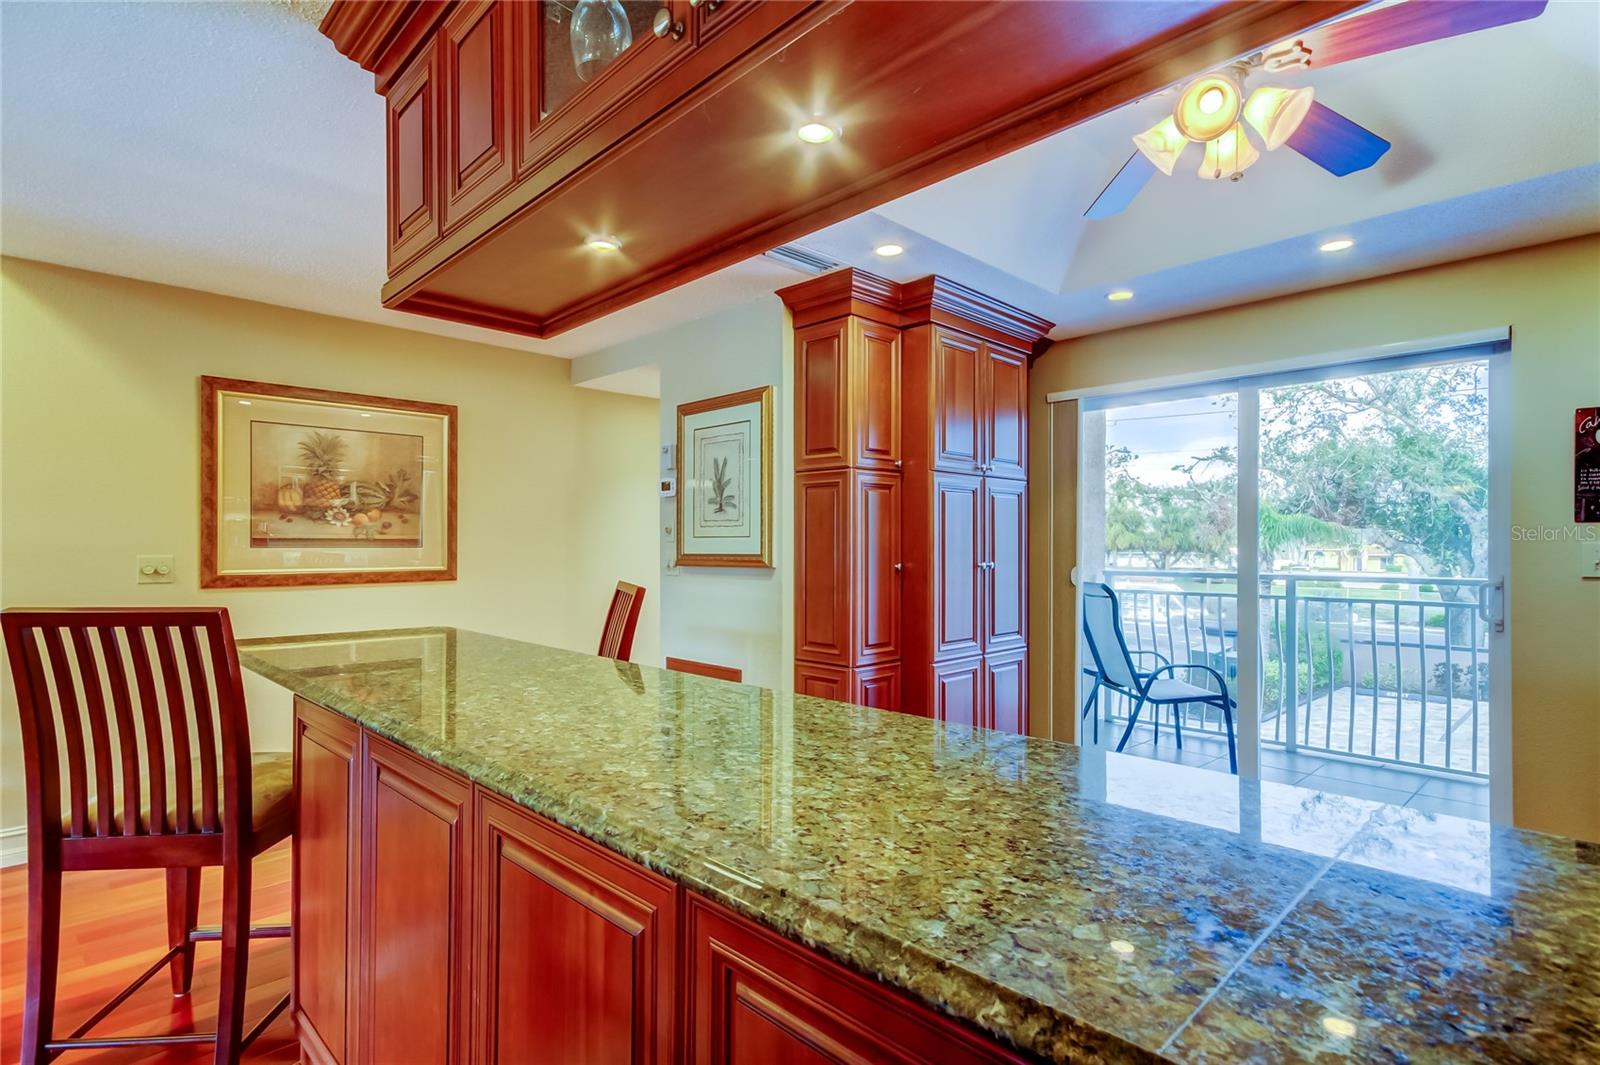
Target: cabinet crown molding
point(906, 304)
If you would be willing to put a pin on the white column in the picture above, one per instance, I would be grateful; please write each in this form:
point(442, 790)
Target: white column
point(1248, 723)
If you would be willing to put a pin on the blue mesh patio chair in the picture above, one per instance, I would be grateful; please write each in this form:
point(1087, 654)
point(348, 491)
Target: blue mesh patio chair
point(1115, 671)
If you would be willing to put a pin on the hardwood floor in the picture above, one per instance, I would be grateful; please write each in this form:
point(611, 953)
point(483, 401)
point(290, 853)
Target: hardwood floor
point(113, 926)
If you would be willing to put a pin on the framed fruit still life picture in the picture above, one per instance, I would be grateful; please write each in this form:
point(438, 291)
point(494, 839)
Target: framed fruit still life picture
point(304, 486)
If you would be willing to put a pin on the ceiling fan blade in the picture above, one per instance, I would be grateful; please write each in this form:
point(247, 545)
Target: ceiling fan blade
point(1123, 188)
point(1409, 23)
point(1335, 143)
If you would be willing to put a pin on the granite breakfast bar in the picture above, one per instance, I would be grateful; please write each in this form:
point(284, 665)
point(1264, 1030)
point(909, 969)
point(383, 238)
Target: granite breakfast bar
point(603, 861)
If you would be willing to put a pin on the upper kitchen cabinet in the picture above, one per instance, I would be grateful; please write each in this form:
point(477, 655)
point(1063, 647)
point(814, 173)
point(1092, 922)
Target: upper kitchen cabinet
point(552, 162)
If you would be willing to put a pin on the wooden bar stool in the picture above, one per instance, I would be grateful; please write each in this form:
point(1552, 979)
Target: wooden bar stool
point(140, 715)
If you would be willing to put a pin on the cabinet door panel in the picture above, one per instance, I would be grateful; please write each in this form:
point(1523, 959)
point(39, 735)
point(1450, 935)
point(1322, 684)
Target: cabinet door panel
point(822, 681)
point(327, 782)
point(878, 686)
point(876, 400)
point(414, 985)
point(957, 435)
point(475, 134)
point(957, 543)
point(822, 396)
point(958, 692)
point(755, 997)
point(1005, 407)
point(822, 549)
point(877, 551)
point(576, 948)
point(1006, 691)
point(413, 156)
point(1005, 507)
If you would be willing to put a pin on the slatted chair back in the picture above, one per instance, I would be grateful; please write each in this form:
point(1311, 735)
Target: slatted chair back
point(133, 722)
point(616, 640)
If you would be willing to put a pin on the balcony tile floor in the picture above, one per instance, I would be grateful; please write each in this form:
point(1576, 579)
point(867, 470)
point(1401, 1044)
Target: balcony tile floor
point(1391, 784)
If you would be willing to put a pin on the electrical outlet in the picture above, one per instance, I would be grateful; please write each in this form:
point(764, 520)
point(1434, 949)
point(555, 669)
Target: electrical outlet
point(155, 569)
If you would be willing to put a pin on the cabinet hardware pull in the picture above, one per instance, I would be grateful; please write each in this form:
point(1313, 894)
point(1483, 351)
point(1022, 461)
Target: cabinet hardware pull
point(664, 24)
point(898, 566)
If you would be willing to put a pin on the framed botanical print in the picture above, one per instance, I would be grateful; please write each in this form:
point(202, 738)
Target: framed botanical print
point(303, 486)
point(725, 480)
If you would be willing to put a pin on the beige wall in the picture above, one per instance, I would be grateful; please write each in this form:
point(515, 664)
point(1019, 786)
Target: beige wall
point(99, 460)
point(1550, 297)
point(731, 616)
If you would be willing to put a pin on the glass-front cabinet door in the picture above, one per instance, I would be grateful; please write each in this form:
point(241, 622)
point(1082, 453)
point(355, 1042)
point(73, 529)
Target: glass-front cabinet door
point(581, 39)
point(580, 57)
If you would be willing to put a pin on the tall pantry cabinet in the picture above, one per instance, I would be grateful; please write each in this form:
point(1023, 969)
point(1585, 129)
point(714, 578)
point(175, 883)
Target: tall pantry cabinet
point(911, 496)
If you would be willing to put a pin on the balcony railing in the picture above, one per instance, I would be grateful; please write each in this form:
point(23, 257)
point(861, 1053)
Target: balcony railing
point(1380, 667)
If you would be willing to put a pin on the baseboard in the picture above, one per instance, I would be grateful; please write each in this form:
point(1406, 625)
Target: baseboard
point(13, 846)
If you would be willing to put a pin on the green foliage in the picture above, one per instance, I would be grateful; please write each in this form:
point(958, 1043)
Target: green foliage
point(1317, 677)
point(721, 484)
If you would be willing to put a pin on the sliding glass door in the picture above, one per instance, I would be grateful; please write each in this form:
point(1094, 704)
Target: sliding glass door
point(1322, 542)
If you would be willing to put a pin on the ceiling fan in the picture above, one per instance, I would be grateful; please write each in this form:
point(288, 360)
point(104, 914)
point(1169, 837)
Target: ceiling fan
point(1214, 110)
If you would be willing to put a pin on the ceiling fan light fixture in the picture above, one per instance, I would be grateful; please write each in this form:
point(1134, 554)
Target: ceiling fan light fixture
point(1207, 106)
point(1162, 144)
point(1229, 155)
point(1276, 112)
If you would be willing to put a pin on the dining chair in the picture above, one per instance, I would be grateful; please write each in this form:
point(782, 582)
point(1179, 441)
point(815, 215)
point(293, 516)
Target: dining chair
point(1115, 671)
point(616, 641)
point(136, 755)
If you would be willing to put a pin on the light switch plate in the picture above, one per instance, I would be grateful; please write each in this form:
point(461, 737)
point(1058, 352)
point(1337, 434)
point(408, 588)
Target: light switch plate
point(1591, 560)
point(155, 569)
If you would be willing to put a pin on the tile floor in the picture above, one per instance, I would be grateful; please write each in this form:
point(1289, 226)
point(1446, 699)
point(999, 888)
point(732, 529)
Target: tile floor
point(1391, 784)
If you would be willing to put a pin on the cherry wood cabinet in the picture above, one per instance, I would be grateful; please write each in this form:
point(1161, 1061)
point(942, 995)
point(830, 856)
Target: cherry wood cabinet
point(413, 159)
point(954, 412)
point(475, 106)
point(437, 923)
point(912, 401)
point(326, 893)
point(755, 997)
point(414, 860)
point(576, 947)
point(1004, 412)
point(1004, 564)
point(656, 146)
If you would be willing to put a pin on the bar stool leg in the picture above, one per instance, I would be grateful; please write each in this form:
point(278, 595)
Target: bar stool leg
point(183, 913)
point(44, 951)
point(235, 958)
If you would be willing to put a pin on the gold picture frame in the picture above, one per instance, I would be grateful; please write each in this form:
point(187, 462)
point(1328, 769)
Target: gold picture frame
point(306, 486)
point(725, 480)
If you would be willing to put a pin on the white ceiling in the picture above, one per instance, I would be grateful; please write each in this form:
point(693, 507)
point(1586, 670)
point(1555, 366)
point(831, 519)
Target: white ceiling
point(229, 148)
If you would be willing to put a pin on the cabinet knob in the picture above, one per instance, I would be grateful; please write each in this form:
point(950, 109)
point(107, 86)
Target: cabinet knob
point(898, 566)
point(709, 5)
point(664, 24)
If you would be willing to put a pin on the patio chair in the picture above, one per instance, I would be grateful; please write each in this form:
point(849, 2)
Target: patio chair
point(1114, 670)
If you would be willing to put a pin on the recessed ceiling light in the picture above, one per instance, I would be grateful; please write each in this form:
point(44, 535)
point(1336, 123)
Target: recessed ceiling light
point(244, 403)
point(1336, 245)
point(817, 132)
point(1339, 1026)
point(602, 242)
point(1119, 294)
point(889, 250)
point(1122, 946)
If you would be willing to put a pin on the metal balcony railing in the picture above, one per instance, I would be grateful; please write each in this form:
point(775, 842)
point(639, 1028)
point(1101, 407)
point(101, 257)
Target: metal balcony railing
point(1374, 666)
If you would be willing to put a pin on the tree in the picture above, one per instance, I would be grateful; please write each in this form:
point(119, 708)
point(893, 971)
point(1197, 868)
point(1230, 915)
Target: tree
point(1401, 456)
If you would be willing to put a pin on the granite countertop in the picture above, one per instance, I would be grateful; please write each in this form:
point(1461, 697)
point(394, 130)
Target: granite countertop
point(1079, 904)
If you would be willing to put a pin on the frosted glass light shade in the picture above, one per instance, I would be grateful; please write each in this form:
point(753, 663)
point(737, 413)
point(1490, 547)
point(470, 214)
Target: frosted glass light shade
point(1162, 144)
point(600, 32)
point(1229, 155)
point(1207, 106)
point(1276, 112)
